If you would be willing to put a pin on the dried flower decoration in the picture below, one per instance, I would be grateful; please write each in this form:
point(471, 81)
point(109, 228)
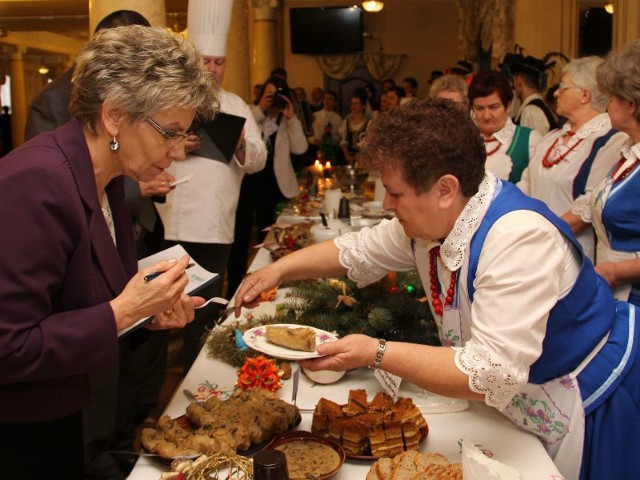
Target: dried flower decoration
point(259, 372)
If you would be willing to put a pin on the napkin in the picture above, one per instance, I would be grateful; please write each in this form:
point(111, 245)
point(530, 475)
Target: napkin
point(477, 466)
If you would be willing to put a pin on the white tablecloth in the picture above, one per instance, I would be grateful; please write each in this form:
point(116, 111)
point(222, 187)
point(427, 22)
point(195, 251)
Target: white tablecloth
point(480, 424)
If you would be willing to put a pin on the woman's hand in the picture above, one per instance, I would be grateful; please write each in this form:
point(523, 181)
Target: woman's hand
point(288, 110)
point(265, 102)
point(608, 271)
point(253, 285)
point(352, 351)
point(181, 313)
point(158, 187)
point(141, 298)
point(240, 150)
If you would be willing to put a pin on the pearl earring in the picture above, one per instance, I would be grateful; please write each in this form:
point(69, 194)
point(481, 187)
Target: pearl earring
point(114, 145)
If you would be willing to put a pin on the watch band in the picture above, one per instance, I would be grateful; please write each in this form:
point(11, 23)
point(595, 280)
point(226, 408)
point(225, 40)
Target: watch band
point(382, 346)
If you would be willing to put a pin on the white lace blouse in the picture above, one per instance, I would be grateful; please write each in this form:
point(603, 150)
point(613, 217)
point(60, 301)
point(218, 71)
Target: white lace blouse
point(525, 266)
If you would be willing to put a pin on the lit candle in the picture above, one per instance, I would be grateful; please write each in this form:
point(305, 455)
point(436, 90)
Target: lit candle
point(327, 169)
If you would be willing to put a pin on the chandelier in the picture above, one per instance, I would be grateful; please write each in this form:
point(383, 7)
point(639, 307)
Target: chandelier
point(373, 5)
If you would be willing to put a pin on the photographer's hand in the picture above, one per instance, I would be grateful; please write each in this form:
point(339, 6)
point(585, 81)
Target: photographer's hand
point(265, 102)
point(288, 110)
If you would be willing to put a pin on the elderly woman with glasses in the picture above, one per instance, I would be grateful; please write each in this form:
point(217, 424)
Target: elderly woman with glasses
point(571, 160)
point(612, 206)
point(68, 280)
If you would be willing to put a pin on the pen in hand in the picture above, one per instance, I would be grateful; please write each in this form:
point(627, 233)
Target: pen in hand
point(153, 275)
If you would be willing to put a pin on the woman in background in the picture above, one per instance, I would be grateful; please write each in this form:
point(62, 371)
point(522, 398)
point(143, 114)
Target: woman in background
point(571, 160)
point(453, 87)
point(612, 206)
point(509, 146)
point(353, 128)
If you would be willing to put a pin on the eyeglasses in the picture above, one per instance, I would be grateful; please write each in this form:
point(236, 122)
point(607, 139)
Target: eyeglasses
point(566, 86)
point(169, 136)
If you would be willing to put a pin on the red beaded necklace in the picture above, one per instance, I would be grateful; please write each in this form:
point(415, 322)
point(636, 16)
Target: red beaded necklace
point(546, 163)
point(435, 285)
point(625, 173)
point(489, 140)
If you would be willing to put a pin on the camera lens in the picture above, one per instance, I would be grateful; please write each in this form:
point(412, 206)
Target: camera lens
point(278, 100)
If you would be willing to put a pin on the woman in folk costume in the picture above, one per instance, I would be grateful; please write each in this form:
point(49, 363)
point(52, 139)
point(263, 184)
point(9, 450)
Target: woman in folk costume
point(612, 206)
point(526, 324)
point(509, 146)
point(573, 159)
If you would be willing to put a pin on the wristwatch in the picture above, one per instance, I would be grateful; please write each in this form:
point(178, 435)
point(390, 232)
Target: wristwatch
point(382, 346)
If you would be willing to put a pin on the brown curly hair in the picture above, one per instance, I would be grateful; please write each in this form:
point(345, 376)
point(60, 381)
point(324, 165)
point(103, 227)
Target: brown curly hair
point(427, 139)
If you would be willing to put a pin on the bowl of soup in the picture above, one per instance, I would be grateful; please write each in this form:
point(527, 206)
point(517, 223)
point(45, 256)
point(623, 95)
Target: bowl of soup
point(309, 453)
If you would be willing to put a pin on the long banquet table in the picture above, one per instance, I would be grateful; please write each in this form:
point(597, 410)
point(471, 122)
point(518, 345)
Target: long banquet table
point(480, 424)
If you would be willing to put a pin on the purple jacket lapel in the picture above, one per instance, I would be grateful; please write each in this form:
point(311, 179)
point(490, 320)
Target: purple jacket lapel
point(118, 265)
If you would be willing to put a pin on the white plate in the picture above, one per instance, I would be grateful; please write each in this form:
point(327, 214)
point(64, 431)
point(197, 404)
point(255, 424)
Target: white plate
point(256, 340)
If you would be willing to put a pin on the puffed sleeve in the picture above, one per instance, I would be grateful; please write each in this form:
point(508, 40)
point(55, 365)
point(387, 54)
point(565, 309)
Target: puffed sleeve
point(525, 267)
point(372, 252)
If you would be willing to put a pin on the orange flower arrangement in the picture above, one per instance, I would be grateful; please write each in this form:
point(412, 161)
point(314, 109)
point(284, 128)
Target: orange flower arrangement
point(259, 372)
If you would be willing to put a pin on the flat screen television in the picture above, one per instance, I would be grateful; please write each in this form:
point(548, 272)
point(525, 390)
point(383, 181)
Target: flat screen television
point(322, 30)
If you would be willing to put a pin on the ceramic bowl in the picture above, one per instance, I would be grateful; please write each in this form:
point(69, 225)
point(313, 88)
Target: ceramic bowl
point(305, 446)
point(323, 376)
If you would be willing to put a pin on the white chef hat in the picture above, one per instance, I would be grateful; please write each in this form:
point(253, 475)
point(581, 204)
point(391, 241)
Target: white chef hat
point(208, 24)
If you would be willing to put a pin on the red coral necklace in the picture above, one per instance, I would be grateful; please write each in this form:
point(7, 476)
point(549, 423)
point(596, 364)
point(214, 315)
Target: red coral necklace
point(490, 140)
point(435, 284)
point(546, 163)
point(625, 173)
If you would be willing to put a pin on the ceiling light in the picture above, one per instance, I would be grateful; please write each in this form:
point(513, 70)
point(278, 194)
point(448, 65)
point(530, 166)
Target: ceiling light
point(43, 70)
point(609, 8)
point(373, 5)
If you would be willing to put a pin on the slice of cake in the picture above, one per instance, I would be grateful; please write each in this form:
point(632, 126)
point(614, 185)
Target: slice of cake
point(357, 403)
point(381, 402)
point(296, 338)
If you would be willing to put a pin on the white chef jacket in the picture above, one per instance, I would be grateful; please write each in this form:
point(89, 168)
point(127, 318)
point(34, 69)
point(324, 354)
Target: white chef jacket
point(203, 210)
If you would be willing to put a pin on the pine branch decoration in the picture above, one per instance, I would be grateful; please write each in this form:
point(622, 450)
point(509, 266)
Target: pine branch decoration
point(390, 309)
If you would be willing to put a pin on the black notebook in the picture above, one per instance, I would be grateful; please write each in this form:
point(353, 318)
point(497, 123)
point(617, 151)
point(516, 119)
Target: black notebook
point(219, 136)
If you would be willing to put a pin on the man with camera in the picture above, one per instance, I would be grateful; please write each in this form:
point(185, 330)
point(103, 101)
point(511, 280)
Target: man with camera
point(261, 192)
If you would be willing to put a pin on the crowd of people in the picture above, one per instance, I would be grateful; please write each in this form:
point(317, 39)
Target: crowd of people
point(521, 222)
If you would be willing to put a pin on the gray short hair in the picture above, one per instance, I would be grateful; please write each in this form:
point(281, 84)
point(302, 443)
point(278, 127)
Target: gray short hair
point(450, 83)
point(141, 70)
point(619, 74)
point(583, 75)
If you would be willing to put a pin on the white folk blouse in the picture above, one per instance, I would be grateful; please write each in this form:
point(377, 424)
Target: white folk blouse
point(526, 265)
point(554, 186)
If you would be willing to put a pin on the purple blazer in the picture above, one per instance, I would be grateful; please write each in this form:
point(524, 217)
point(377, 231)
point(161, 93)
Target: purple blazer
point(59, 268)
